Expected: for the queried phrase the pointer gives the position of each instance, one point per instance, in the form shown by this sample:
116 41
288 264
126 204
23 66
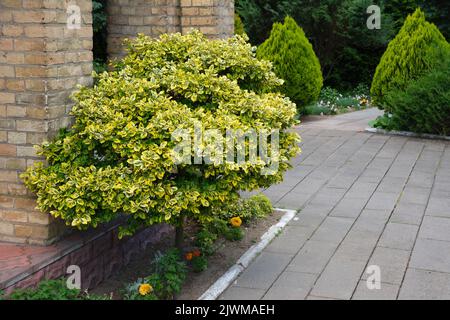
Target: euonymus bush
416 50
118 155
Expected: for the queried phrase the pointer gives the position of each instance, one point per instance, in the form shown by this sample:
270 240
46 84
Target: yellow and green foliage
118 156
294 61
416 49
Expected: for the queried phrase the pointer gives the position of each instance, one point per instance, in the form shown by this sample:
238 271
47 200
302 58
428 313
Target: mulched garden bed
196 283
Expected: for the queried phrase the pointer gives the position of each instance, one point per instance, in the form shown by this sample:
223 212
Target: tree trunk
179 234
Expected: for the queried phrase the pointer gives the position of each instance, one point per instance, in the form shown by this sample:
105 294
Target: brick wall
41 62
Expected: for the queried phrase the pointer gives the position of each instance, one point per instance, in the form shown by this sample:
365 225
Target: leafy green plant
46 290
171 272
164 283
52 290
295 61
416 49
424 107
119 156
255 207
383 122
259 206
205 240
234 234
143 289
199 263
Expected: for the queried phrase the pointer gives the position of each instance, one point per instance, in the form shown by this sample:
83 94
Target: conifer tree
294 61
415 50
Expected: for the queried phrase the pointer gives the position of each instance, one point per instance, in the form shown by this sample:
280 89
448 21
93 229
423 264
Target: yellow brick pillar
215 18
45 51
127 18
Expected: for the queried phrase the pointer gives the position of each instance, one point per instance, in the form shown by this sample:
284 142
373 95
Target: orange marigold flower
196 253
145 289
189 256
236 222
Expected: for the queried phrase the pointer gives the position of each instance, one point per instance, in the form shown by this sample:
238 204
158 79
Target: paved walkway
363 200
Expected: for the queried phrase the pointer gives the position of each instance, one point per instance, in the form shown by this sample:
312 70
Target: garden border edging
408 134
218 287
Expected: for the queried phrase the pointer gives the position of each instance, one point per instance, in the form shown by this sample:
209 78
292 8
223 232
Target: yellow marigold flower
189 256
145 289
236 222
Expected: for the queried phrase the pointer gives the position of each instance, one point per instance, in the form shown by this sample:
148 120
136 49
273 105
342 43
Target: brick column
215 18
127 18
41 62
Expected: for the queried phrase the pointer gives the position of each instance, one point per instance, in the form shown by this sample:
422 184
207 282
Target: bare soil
196 283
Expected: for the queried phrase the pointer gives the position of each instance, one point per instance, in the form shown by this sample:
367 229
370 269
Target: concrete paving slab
431 255
264 270
365 199
386 292
291 286
399 236
425 285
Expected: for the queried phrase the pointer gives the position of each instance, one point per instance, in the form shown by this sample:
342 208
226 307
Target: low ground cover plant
52 290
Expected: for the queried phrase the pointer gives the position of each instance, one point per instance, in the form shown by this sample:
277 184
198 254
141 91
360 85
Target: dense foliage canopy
119 155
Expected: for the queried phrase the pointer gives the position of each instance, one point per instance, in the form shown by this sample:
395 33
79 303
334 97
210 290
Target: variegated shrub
117 157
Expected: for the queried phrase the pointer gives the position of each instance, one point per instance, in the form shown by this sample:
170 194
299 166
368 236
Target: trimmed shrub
119 156
294 61
416 49
424 107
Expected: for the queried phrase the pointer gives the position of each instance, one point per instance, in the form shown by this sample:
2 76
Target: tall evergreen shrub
413 52
294 61
424 106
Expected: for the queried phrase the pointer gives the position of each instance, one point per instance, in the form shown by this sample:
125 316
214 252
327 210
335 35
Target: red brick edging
99 254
